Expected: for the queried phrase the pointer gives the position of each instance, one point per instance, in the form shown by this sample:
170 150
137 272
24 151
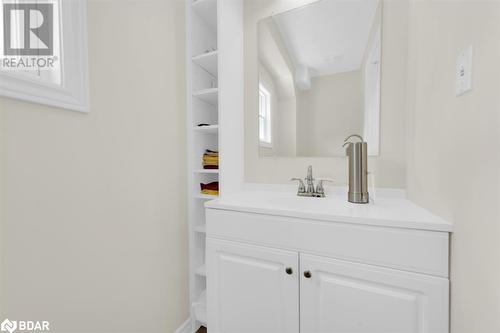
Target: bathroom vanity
281 263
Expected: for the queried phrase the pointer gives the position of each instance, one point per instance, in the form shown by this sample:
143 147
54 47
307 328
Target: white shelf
206 197
211 95
211 129
200 308
201 271
207 171
207 11
214 34
201 229
207 61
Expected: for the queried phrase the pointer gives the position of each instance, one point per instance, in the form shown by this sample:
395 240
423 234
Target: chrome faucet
310 181
310 190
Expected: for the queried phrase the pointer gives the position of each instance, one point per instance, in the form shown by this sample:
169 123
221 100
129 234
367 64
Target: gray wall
329 112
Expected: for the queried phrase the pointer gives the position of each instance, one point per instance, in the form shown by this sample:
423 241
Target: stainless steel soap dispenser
358 170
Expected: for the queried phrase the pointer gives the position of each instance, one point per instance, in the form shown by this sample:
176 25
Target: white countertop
389 211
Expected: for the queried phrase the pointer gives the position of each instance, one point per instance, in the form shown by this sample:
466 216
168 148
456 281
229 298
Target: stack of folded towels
210 188
210 159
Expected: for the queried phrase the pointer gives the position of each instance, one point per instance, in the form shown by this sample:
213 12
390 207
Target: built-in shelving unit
206 11
203 108
206 171
205 197
201 271
214 54
207 61
210 129
210 95
201 228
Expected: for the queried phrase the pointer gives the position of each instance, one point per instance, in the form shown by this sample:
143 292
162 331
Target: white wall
286 134
453 150
389 168
93 222
328 113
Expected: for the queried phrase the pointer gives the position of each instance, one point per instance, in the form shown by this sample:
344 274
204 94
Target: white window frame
266 116
72 93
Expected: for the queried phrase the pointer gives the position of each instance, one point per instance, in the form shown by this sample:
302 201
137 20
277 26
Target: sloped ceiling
328 36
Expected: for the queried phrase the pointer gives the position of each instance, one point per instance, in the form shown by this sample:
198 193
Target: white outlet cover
464 71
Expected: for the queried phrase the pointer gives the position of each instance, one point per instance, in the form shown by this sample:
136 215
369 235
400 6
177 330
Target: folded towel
210 159
210 188
209 192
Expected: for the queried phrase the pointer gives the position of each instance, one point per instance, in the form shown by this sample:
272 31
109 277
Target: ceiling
328 36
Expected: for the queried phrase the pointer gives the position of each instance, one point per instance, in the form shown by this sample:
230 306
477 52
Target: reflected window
265 136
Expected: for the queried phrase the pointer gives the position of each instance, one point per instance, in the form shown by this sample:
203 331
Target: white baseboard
185 327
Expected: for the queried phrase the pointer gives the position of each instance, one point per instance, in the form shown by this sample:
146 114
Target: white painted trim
230 36
73 93
210 24
185 327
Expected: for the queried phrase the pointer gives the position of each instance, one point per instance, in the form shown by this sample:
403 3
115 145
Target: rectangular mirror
319 78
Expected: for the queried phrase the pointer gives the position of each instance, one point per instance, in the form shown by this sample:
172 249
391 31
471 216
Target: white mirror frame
73 93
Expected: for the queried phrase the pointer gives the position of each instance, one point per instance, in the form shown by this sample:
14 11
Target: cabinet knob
289 271
307 274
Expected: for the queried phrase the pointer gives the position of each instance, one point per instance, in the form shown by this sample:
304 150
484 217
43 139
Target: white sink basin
387 211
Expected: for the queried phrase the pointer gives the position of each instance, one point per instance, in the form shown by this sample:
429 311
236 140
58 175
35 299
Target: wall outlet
464 71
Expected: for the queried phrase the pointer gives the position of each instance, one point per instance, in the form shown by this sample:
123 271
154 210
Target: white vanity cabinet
279 271
250 290
338 297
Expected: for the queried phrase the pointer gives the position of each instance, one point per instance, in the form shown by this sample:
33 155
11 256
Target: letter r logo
28 29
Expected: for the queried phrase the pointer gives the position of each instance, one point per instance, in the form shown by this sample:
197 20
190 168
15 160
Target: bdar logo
8 326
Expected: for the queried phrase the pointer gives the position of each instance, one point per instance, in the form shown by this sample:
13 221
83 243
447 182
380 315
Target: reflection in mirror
319 78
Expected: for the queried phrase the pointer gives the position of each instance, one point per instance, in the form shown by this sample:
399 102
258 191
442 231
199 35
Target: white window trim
266 144
73 93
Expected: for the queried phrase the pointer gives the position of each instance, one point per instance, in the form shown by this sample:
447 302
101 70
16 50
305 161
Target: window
265 125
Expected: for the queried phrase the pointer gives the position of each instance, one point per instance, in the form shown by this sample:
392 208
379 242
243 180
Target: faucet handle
320 190
302 187
329 180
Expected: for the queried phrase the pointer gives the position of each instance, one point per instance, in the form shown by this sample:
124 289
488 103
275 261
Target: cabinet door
251 289
340 297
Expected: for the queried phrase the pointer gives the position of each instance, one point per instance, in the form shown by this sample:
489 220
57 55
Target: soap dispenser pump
357 153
